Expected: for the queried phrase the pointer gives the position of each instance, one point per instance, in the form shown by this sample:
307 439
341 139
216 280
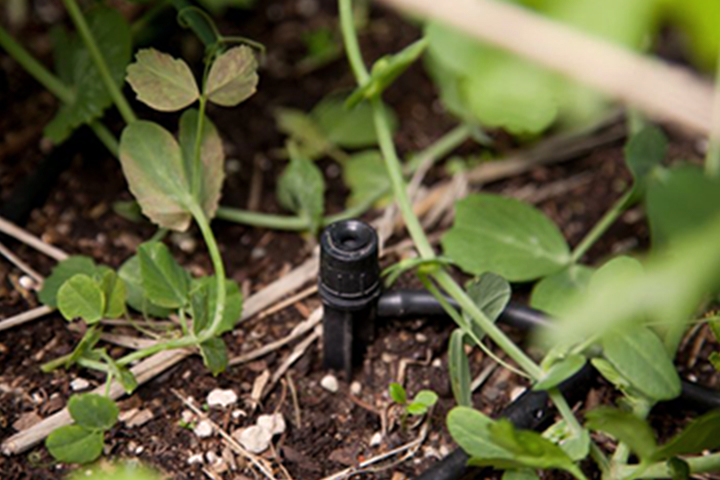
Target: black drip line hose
531 410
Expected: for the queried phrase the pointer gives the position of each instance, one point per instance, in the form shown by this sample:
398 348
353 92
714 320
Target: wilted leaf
77 69
93 411
233 77
74 444
81 296
161 81
164 281
212 160
301 189
505 236
61 273
153 166
625 427
214 355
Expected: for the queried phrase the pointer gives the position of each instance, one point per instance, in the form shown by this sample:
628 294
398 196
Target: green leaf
93 411
348 128
385 70
161 81
301 189
610 373
233 77
422 402
303 131
577 447
556 293
695 20
203 298
128 470
212 160
74 444
701 434
129 210
491 293
77 69
61 273
397 393
114 290
214 354
520 474
505 236
81 297
559 372
625 427
459 369
679 469
123 375
153 166
471 430
639 355
164 281
84 346
131 274
366 177
680 201
644 151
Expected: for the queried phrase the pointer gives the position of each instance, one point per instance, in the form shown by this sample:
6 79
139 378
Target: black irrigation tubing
531 410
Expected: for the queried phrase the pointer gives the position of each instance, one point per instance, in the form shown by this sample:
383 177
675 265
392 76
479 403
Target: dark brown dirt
335 429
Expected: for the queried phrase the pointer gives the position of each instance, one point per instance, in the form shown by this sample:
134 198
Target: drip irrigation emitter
353 300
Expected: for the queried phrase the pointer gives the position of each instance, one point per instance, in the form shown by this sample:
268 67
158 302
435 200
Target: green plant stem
93 365
197 161
54 85
712 158
350 39
641 409
84 30
703 464
440 148
601 226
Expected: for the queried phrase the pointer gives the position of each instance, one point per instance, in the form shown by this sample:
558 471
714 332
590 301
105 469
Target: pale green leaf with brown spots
161 81
233 77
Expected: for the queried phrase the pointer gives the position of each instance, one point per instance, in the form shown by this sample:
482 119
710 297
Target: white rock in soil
196 459
79 384
330 383
356 388
203 429
222 398
187 417
237 413
255 439
376 439
275 423
516 392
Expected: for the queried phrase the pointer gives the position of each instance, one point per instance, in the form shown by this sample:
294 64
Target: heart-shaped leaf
81 297
164 281
61 273
153 166
161 81
93 411
74 444
233 77
301 189
131 274
503 235
212 159
114 291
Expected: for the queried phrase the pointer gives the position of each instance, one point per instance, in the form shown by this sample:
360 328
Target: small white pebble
195 459
237 413
356 388
187 416
221 398
275 423
516 392
437 363
254 439
27 282
330 383
79 384
444 450
212 458
376 439
139 450
203 429
421 338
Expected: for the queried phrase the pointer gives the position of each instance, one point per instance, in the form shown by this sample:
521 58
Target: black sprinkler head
349 285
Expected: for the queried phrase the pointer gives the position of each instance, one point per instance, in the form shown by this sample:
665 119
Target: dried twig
19 263
661 90
25 317
31 240
260 463
297 352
